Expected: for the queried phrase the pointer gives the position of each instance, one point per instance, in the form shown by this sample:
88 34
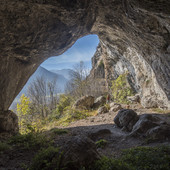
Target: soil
96 127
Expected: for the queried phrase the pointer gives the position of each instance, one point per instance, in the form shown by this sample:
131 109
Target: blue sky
82 50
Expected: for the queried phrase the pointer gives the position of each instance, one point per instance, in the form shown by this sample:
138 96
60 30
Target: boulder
85 102
8 122
114 107
161 132
102 110
134 99
79 151
126 119
144 123
99 101
150 126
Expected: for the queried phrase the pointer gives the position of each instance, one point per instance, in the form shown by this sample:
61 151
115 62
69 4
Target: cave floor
96 128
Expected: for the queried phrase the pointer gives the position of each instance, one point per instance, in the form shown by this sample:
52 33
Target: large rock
151 127
145 123
100 101
126 119
161 132
8 122
85 102
79 152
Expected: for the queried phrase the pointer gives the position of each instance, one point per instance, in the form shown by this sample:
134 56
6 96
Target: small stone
102 110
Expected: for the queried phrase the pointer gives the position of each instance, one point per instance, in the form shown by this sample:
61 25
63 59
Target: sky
82 50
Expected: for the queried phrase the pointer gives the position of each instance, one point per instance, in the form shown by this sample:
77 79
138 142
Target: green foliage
101 143
107 106
30 140
4 147
64 102
23 111
139 158
101 64
57 131
110 164
49 158
121 89
148 158
71 115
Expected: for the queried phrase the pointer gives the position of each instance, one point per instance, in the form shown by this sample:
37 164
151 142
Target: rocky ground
96 128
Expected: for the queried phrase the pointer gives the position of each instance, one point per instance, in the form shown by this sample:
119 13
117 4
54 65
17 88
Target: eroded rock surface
135 36
8 122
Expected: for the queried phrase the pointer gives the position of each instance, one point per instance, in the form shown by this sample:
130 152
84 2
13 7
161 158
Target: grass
30 140
72 115
4 147
57 131
158 110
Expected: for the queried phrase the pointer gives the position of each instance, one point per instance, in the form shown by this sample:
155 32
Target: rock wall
141 75
31 31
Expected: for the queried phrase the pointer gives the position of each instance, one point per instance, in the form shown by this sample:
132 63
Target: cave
133 32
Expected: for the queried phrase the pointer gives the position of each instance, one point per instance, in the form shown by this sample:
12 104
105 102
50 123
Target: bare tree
78 84
43 95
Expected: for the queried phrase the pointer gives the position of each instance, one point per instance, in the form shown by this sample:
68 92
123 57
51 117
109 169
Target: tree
78 84
43 95
24 113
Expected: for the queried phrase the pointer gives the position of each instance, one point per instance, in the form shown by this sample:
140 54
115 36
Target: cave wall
141 76
31 31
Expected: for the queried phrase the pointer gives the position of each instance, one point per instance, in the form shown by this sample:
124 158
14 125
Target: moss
101 143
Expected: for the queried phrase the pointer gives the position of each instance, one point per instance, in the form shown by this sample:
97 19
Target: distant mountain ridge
63 72
48 75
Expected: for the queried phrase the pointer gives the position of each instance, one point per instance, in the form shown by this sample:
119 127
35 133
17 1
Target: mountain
48 75
63 72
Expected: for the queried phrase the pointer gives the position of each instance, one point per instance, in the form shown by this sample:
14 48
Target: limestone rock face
9 122
141 77
134 34
85 102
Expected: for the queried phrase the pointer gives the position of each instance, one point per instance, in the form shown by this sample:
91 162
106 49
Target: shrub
121 89
49 158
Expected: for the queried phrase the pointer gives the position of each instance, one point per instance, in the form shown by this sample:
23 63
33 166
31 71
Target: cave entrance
59 67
